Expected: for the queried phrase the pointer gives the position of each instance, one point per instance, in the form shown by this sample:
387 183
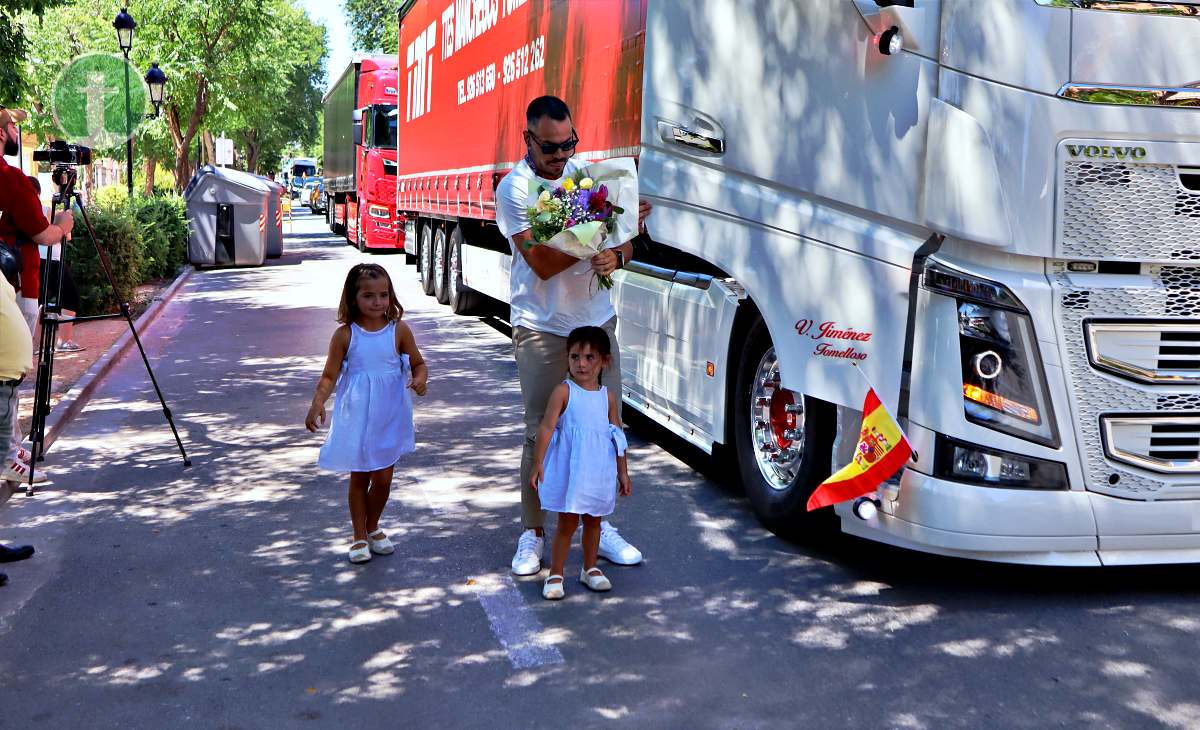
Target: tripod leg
107 268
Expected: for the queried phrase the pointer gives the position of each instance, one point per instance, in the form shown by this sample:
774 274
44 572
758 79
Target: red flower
598 198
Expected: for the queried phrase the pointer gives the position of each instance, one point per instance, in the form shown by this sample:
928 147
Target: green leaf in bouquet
544 218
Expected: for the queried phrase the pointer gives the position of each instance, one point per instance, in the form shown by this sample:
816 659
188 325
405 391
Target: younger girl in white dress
374 361
579 458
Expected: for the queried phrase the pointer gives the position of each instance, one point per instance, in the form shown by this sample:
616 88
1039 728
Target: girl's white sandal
595 580
553 591
359 552
380 545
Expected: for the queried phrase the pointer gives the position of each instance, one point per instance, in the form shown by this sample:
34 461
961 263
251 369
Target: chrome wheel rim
424 259
439 253
452 278
776 425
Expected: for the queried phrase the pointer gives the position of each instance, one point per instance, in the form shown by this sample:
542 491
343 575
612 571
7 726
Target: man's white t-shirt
563 302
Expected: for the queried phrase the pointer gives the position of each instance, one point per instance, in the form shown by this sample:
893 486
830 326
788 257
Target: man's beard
11 148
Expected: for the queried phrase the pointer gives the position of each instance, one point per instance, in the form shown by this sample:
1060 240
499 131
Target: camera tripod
51 307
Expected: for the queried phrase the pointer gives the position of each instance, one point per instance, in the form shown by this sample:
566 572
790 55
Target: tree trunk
210 147
252 150
148 167
181 137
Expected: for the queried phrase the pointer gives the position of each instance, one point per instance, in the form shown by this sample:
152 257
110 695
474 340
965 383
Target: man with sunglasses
552 293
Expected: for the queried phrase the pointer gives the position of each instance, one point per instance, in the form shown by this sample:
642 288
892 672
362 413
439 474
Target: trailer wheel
463 299
782 439
424 258
439 266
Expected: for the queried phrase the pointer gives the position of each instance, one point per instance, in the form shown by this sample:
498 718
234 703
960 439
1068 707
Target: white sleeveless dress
372 425
581 462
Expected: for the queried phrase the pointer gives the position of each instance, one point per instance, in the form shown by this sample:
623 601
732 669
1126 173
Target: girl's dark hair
348 307
37 184
594 337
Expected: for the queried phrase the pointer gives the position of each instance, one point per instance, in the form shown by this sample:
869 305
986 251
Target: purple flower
582 198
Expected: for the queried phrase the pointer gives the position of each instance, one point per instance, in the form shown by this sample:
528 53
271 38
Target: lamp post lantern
156 80
124 23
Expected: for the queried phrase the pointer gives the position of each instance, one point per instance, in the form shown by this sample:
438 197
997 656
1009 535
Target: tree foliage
251 71
14 46
373 26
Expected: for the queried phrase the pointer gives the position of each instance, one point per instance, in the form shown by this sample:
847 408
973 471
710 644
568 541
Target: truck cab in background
360 154
297 173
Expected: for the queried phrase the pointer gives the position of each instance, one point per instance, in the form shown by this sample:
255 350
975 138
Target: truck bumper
1028 526
382 235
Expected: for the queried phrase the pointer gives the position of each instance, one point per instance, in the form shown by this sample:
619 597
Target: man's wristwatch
620 258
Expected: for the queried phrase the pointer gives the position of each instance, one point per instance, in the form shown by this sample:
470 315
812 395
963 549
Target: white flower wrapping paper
584 241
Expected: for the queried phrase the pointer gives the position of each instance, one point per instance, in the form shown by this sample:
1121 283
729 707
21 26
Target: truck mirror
357 134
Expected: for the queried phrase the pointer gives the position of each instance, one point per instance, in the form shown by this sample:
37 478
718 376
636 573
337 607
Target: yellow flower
568 185
542 201
586 183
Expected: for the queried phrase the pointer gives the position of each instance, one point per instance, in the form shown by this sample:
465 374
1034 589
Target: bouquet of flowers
592 208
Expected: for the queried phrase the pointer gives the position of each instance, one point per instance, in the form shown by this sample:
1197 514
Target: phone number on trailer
525 60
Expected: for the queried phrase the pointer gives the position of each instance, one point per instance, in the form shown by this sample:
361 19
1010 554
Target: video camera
64 153
66 157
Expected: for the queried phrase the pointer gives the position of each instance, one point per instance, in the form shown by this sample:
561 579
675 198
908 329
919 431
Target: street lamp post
156 80
124 23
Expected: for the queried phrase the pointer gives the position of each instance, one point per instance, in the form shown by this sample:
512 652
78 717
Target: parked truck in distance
360 154
986 208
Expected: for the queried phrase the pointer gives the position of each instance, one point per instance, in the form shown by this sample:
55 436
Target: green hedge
145 241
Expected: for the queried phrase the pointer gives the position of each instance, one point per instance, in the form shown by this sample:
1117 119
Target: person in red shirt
21 220
20 208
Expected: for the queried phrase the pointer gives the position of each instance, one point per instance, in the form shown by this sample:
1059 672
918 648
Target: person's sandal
380 545
360 552
595 580
553 591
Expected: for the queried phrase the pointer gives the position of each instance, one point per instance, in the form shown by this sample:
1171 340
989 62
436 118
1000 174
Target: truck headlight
958 461
1003 382
378 211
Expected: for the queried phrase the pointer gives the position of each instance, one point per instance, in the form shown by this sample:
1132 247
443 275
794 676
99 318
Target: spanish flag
882 449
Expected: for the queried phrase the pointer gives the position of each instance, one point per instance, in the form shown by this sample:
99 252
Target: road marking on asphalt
513 624
442 501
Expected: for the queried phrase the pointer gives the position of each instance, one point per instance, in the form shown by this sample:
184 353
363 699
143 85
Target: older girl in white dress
374 362
579 458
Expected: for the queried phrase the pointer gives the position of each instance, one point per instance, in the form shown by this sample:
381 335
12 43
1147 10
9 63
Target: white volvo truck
992 207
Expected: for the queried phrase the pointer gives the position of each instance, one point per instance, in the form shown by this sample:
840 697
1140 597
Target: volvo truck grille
1129 210
1131 354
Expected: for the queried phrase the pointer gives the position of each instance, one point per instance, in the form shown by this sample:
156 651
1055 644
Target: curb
78 396
81 392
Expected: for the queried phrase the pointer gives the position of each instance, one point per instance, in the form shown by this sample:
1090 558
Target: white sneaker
528 558
18 472
614 549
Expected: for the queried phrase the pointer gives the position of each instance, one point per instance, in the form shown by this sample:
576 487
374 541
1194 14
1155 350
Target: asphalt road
219 596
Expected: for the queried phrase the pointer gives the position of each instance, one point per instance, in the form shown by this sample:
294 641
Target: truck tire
779 472
329 216
439 266
463 299
424 257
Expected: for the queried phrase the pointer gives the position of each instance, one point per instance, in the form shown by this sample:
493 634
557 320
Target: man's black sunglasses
549 148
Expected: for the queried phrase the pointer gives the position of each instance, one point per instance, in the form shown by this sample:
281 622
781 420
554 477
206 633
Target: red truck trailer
465 89
360 154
